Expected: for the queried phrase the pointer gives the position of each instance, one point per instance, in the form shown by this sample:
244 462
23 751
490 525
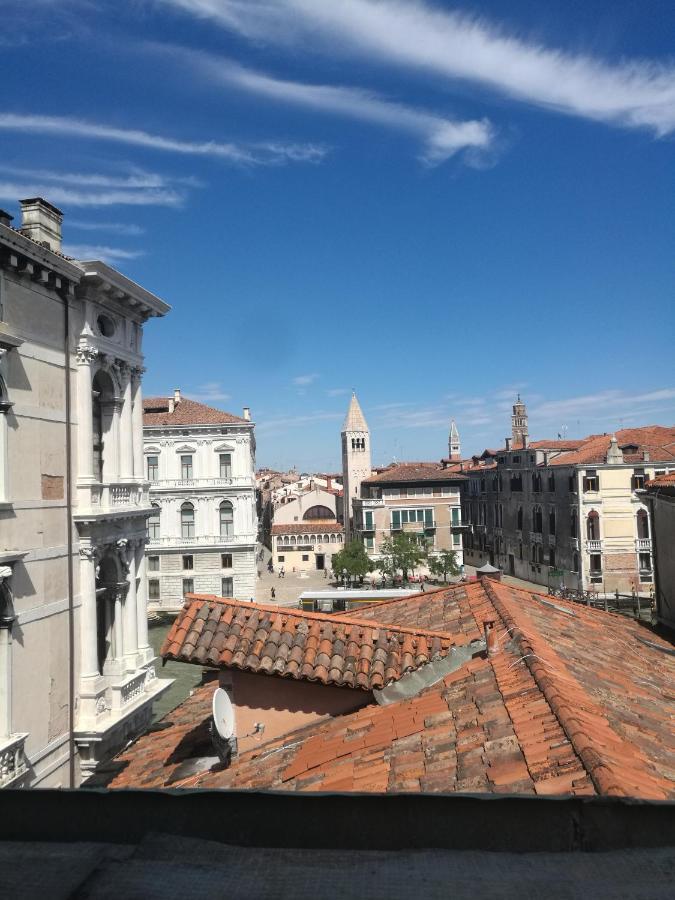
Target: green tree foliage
402 553
444 564
354 559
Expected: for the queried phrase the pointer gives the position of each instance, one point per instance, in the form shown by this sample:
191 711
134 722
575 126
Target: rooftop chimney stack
247 414
5 218
176 396
491 639
41 222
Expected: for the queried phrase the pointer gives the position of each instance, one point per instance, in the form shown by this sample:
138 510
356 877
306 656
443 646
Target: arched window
642 524
540 554
575 562
292 541
153 523
551 521
593 526
103 410
318 512
537 520
520 518
187 520
325 538
332 538
5 407
574 524
226 519
312 539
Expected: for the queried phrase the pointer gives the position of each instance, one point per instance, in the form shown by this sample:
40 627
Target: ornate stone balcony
593 546
177 484
13 762
106 497
208 540
643 545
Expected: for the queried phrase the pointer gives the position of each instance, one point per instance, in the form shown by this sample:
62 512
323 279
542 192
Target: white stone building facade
200 463
77 678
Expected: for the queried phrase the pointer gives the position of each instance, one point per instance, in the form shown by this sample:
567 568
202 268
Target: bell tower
454 446
356 461
520 438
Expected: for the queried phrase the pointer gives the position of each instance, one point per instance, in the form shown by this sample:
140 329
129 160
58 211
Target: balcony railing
370 502
209 540
593 546
170 484
106 496
643 544
13 762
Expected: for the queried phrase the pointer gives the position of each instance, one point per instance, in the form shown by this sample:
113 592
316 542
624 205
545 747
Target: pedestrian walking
273 593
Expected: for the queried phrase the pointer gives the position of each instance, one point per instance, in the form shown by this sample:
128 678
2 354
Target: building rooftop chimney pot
41 222
5 218
247 413
176 395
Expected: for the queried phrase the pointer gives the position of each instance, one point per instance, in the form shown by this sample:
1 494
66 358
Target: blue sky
437 204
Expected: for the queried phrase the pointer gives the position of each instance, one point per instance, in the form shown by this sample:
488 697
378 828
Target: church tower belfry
520 438
356 460
454 446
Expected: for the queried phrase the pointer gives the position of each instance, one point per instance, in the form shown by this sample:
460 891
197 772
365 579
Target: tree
403 552
444 564
354 559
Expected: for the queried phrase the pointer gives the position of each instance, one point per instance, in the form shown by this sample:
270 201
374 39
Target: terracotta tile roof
186 412
291 643
662 481
409 473
577 701
657 440
556 445
313 527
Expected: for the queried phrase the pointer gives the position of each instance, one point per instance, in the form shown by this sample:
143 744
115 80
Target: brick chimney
41 222
491 639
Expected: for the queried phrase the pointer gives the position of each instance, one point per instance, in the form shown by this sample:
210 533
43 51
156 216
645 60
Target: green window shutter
428 518
369 519
455 515
396 518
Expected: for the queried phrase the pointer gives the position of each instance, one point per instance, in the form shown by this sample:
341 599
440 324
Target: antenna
222 725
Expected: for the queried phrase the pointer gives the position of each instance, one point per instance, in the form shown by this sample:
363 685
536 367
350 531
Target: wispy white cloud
10 190
442 137
122 228
305 380
106 254
602 405
264 153
456 46
337 392
210 392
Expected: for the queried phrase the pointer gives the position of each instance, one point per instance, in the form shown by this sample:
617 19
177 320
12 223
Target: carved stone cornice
86 354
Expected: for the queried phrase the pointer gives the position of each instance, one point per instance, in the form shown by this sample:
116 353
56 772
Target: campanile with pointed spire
454 446
356 461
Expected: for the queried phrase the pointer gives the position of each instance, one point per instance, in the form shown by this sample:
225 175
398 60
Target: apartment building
567 512
200 464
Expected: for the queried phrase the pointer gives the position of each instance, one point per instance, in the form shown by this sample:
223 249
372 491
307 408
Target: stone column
126 428
110 410
85 420
130 622
6 622
142 596
137 423
88 629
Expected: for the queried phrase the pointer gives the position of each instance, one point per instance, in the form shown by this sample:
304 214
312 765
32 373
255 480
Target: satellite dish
223 714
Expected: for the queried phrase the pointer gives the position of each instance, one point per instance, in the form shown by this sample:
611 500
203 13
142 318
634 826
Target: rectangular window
153 589
227 586
428 518
591 480
226 559
396 519
456 515
368 520
188 562
638 480
456 539
188 586
645 562
305 558
226 465
596 563
152 463
369 542
153 563
281 558
186 468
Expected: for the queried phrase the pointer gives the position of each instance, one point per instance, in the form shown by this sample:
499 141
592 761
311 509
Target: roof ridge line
328 618
378 603
595 764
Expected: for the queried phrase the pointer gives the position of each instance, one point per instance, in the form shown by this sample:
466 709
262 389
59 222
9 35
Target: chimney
5 218
171 405
507 442
491 639
645 455
176 396
329 483
247 413
41 222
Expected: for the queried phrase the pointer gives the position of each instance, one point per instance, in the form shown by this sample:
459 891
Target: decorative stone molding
86 354
88 553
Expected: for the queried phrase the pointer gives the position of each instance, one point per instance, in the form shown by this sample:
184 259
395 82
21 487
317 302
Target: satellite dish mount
222 726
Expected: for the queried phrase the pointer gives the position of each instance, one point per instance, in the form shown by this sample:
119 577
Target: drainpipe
69 541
